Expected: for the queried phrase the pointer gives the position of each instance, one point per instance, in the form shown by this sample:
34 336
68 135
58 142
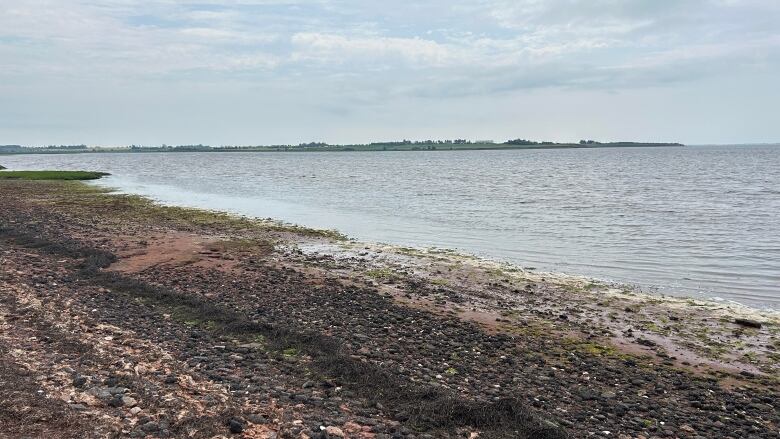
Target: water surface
695 221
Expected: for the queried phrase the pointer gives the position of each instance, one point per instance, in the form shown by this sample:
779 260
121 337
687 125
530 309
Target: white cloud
366 52
338 49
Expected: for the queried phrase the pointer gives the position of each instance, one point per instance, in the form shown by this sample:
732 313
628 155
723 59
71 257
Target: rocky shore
122 318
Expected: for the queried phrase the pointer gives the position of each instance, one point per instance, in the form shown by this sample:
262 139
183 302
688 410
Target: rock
116 401
749 323
101 394
128 401
645 342
150 427
334 431
135 411
79 381
116 390
257 419
687 428
235 426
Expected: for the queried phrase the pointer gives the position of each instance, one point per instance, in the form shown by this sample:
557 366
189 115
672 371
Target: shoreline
496 262
390 147
564 347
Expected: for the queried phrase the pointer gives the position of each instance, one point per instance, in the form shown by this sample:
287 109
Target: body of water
694 221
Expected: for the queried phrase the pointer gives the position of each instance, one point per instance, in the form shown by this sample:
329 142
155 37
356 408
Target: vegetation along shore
120 317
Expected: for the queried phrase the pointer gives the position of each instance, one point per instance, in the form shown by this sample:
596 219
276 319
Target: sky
250 72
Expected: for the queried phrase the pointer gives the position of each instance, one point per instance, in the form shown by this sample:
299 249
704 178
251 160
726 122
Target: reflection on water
696 221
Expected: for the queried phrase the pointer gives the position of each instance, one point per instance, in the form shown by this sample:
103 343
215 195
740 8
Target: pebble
235 426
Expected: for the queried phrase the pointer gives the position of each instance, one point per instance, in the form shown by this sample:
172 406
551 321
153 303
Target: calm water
700 221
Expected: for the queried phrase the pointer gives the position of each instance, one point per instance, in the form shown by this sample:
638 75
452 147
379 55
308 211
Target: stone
150 427
116 401
687 428
257 419
79 381
334 431
129 401
235 426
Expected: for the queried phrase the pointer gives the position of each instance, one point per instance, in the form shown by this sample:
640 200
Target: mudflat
123 318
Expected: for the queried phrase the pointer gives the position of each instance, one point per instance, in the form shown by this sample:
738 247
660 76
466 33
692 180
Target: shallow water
696 221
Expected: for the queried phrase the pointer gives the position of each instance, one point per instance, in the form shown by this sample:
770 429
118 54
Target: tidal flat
131 318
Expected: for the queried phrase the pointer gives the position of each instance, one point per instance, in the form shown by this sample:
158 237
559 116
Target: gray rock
235 426
150 427
129 401
79 381
257 419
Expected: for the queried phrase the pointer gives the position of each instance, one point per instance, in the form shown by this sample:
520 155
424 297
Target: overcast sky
222 72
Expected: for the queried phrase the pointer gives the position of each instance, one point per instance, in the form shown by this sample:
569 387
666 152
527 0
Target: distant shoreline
377 147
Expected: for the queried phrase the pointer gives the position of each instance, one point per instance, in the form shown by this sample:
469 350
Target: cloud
341 49
331 54
219 36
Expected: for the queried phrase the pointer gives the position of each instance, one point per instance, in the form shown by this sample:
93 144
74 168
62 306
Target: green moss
751 357
290 352
382 274
596 349
51 175
442 282
91 200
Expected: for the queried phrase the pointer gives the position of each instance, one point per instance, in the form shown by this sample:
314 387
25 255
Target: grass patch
440 282
51 175
81 199
290 352
242 245
382 274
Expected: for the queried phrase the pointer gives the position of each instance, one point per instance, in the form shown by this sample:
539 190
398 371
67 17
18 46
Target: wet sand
128 319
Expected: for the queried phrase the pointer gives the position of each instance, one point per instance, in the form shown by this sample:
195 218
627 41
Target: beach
126 317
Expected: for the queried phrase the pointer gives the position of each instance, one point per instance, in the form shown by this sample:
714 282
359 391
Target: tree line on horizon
314 145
